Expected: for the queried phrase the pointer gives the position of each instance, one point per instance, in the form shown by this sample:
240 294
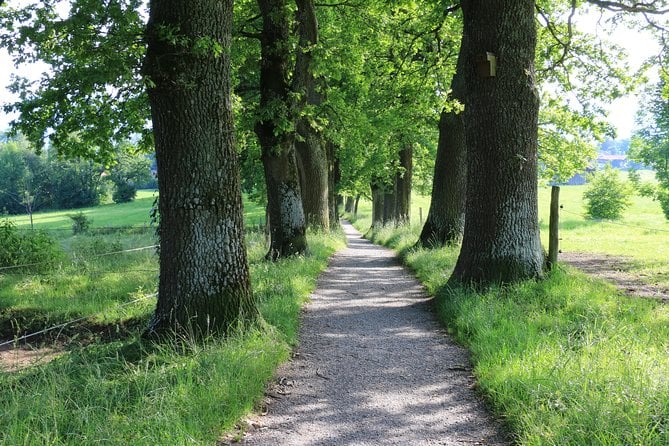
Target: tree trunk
204 280
501 237
377 204
287 223
334 176
389 209
403 186
348 204
311 151
355 206
446 218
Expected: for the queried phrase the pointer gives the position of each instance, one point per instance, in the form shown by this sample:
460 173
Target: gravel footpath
373 367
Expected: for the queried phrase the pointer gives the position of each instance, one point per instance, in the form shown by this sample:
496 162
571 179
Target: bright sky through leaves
640 46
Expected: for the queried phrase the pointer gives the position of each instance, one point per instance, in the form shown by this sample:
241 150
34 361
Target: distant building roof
607 157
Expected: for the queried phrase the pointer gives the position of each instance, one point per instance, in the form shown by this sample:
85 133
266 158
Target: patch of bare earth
15 359
374 366
45 345
616 270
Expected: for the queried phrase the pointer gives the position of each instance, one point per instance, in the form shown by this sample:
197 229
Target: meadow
568 360
641 237
108 385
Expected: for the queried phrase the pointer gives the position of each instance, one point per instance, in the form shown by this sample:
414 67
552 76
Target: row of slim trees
484 191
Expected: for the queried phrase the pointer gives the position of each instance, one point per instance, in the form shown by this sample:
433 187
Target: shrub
80 223
647 189
635 178
663 198
124 192
607 196
88 246
26 248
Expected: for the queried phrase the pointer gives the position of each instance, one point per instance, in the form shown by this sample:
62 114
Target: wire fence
89 257
73 321
94 229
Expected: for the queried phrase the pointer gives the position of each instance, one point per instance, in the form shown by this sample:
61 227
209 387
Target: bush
80 223
124 192
635 178
27 248
647 189
607 196
663 198
87 246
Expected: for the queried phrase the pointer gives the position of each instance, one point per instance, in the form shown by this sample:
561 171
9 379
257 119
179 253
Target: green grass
564 361
642 235
115 388
135 213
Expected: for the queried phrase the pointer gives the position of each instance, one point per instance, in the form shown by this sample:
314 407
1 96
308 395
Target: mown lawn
642 235
135 213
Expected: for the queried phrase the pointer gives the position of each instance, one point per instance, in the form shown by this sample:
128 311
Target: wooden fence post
553 237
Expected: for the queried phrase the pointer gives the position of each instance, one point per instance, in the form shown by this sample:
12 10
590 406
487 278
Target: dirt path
615 270
373 367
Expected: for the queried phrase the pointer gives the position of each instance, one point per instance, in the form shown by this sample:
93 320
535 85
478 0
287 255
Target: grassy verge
567 360
641 236
122 390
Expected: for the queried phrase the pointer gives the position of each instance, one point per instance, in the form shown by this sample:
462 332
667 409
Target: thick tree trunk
287 223
204 280
311 150
446 218
355 206
348 204
403 186
389 209
377 204
314 176
501 237
333 178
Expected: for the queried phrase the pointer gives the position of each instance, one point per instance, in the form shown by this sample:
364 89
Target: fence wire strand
93 256
74 321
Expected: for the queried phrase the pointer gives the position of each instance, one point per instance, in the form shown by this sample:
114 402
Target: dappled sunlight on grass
121 390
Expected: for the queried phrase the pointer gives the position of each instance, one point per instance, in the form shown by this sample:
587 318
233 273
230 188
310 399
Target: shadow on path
373 366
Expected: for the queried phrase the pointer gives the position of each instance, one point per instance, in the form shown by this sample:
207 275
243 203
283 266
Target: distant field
642 235
135 213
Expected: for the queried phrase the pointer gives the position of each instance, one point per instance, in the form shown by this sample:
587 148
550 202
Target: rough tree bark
311 151
501 237
403 180
389 205
348 204
446 218
334 176
204 280
377 203
277 142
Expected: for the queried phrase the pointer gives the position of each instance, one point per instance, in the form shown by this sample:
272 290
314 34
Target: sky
622 112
